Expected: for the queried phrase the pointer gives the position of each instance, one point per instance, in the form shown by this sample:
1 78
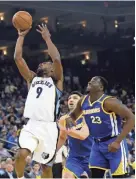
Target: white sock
21 177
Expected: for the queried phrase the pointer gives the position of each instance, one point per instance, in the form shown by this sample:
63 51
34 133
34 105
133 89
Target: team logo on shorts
45 155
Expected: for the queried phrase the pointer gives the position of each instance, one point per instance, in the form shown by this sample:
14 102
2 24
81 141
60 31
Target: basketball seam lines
24 20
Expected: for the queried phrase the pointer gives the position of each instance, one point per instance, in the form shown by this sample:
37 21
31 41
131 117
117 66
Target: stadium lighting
5 51
87 57
2 16
83 23
116 22
83 62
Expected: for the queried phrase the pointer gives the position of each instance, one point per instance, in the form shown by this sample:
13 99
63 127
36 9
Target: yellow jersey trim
67 170
102 103
81 115
114 116
94 101
98 167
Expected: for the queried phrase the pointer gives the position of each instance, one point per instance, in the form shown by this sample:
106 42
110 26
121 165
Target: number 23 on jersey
96 119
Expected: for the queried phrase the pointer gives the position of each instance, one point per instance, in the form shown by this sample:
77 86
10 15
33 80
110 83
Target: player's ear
101 87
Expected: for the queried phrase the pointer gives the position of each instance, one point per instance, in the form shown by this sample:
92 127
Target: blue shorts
77 165
101 158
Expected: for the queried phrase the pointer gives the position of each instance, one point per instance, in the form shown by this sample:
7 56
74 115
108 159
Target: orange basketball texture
22 20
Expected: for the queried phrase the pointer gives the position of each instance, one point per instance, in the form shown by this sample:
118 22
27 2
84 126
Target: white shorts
41 139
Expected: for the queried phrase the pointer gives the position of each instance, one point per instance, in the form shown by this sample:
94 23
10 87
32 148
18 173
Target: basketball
22 20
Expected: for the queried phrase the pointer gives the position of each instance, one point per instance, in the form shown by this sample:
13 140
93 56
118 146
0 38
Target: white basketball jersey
42 103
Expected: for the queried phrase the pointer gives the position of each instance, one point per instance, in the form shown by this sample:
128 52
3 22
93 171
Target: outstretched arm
52 51
20 62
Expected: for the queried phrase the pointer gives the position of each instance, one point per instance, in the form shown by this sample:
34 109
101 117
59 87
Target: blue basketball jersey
100 122
79 148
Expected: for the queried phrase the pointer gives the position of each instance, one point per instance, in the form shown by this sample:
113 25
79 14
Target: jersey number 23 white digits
96 119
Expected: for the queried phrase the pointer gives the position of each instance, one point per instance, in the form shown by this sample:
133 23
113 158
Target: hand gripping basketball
23 33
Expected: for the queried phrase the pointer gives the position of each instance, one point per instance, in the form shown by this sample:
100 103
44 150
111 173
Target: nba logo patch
45 155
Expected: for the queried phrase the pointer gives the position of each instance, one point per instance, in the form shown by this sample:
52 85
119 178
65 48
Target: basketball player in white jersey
39 137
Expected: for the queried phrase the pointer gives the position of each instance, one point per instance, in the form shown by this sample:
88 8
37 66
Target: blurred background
93 38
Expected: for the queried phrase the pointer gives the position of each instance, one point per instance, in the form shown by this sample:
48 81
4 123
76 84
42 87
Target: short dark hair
75 92
35 163
104 82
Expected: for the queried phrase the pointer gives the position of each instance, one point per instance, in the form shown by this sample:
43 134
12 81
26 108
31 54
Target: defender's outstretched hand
43 30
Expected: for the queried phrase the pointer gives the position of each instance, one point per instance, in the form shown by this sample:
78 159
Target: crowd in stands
13 92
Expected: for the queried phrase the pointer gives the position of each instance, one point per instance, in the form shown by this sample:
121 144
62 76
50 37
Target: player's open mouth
71 104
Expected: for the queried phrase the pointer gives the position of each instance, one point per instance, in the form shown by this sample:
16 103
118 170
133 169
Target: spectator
12 88
3 165
9 161
7 89
28 164
131 157
3 151
36 171
12 140
129 143
9 170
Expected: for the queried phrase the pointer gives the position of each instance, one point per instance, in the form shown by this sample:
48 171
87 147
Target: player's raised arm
52 51
20 62
114 105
